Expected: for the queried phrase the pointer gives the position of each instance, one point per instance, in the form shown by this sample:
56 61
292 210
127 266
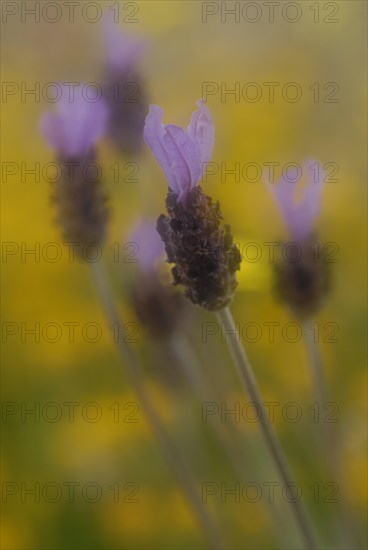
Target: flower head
196 240
159 307
72 130
303 280
75 125
123 90
122 51
299 216
182 154
149 243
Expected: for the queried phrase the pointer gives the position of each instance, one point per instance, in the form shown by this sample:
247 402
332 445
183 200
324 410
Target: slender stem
320 392
170 453
187 362
327 434
250 386
316 366
205 392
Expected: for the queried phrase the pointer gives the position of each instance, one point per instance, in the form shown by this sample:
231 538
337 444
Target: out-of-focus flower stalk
171 455
207 392
303 284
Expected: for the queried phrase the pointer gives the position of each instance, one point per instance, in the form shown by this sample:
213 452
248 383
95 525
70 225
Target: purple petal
178 152
283 193
75 125
299 217
154 132
149 243
202 130
185 160
122 51
310 204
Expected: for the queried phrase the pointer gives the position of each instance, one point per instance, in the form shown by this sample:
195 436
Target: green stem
316 366
226 438
328 437
250 386
170 453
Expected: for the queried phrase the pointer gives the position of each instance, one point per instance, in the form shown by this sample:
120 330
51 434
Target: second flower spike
72 129
302 281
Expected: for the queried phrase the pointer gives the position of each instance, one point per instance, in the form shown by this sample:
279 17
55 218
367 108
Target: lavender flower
157 305
195 240
72 130
302 279
123 87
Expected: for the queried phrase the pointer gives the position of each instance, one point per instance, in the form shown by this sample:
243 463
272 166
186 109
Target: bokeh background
183 52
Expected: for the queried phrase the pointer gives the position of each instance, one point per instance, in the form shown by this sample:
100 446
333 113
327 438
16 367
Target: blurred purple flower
150 246
123 88
299 216
75 125
122 51
182 154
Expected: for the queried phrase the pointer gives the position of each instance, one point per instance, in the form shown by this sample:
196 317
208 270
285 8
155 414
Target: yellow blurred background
190 43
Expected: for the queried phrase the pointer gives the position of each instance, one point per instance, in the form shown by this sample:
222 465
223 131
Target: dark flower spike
196 241
304 280
159 307
72 131
124 90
